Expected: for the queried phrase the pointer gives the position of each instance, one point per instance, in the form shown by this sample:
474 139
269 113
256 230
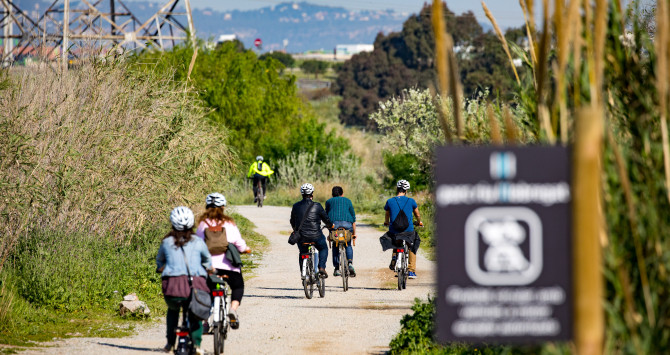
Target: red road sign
258 42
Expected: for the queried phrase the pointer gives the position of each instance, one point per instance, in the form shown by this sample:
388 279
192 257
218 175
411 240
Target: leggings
236 283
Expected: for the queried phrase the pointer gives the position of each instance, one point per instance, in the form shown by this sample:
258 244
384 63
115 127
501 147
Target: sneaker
412 275
198 351
336 272
323 273
392 264
167 348
352 272
234 321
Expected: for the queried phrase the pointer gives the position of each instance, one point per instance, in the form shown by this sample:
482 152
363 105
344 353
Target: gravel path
275 316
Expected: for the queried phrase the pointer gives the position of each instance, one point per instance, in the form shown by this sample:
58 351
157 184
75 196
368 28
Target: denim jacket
172 258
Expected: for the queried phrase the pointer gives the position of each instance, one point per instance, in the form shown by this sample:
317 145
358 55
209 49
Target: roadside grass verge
73 284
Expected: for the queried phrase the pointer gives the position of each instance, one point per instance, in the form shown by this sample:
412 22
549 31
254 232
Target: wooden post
587 266
66 30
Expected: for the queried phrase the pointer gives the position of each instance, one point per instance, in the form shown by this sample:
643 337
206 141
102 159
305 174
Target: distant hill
305 26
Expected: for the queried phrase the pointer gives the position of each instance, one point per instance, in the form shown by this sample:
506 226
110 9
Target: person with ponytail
178 247
215 216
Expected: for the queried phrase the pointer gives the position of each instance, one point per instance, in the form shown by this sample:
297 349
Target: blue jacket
199 259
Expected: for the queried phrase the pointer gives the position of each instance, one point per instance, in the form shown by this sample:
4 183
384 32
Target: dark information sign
503 244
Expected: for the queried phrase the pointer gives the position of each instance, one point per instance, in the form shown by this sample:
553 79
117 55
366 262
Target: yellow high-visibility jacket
264 170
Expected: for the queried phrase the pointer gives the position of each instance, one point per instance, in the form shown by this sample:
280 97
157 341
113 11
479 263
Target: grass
59 296
91 162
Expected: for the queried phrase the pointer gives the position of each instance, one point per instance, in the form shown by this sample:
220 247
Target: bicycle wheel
308 282
401 272
260 195
344 270
219 333
405 273
321 283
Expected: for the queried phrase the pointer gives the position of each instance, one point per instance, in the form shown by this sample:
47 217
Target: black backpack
401 222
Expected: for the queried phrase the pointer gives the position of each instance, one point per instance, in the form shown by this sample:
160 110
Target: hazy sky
507 12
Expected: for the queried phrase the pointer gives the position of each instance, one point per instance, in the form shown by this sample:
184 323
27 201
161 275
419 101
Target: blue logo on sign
502 165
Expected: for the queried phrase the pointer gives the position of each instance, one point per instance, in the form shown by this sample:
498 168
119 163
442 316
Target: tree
315 67
251 100
405 59
282 57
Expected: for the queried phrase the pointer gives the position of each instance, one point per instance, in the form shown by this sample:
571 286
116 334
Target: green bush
416 337
405 166
250 99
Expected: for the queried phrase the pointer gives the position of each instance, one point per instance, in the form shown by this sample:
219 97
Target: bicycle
342 237
311 277
402 261
185 344
220 321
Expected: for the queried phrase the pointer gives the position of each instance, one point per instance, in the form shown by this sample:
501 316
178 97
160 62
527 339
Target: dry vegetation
81 152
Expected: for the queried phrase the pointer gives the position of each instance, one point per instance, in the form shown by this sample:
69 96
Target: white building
345 51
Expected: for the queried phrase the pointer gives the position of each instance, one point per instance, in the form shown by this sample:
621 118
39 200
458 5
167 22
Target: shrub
250 99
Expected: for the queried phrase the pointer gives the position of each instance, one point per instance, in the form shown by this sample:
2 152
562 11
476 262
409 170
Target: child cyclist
178 247
215 215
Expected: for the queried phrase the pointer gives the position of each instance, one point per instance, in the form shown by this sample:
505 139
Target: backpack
216 239
400 223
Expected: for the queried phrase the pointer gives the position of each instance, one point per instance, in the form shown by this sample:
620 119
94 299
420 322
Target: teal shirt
340 209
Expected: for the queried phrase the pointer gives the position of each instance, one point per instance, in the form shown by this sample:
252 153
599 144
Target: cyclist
340 210
215 215
259 171
310 231
177 246
393 207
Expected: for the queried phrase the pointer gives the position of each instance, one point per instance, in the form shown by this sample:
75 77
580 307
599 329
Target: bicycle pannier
401 222
216 239
199 303
340 235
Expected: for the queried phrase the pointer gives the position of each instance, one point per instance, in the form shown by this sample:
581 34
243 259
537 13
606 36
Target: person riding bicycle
310 231
393 207
259 171
178 246
215 216
340 210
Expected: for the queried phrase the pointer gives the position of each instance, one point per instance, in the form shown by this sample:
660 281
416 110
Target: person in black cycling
310 231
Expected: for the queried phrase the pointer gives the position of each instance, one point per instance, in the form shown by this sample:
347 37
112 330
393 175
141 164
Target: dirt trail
275 316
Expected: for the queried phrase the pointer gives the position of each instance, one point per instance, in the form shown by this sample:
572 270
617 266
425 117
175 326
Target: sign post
503 241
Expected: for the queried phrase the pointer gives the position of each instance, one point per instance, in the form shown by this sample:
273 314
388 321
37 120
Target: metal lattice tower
90 27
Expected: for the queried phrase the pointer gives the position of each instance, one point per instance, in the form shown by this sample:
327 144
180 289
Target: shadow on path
370 307
124 347
275 297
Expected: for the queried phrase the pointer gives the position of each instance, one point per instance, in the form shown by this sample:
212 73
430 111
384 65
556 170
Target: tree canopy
282 57
313 66
250 99
405 59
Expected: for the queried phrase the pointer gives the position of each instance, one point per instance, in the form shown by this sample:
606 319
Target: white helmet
182 218
403 184
216 199
306 189
260 157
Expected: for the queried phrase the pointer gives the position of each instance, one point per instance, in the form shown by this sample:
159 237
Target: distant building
226 37
345 51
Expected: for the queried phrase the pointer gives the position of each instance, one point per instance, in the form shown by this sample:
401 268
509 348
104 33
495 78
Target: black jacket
311 229
388 240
